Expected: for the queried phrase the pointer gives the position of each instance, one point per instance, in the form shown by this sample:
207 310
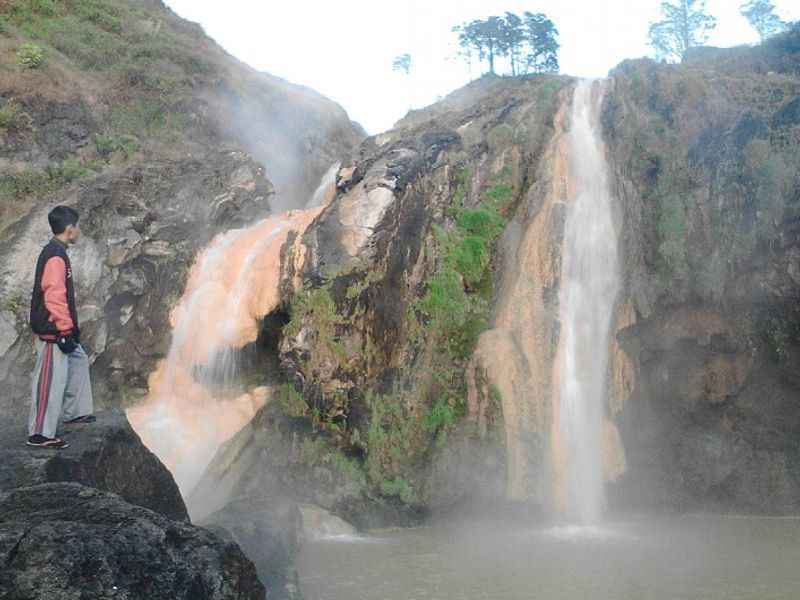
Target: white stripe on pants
61 388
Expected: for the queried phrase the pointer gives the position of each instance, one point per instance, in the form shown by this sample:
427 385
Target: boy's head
64 223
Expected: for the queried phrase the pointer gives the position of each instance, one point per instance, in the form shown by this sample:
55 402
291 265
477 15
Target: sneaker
39 441
83 419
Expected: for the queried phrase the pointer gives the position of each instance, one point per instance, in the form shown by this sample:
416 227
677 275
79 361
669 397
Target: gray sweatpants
61 389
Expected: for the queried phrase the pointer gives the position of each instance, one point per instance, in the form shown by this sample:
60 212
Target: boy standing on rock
61 386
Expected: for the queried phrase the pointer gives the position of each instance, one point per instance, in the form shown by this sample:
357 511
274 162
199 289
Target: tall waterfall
196 400
589 284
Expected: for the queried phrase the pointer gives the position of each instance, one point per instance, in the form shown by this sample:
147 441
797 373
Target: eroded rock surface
65 540
107 455
708 178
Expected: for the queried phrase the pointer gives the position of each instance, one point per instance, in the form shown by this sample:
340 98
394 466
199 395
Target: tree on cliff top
762 17
513 32
685 25
542 44
485 37
529 42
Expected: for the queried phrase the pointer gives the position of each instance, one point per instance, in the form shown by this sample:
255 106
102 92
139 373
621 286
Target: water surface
695 557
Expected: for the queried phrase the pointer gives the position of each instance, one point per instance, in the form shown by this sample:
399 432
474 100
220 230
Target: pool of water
691 558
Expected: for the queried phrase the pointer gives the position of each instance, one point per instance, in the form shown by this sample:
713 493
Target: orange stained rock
233 284
515 353
623 371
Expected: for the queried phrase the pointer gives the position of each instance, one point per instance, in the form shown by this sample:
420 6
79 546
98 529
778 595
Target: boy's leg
47 390
78 400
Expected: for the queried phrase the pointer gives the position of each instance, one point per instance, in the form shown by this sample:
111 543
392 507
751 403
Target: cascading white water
196 401
589 284
326 189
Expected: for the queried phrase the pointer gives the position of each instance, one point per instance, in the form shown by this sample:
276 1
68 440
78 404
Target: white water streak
589 284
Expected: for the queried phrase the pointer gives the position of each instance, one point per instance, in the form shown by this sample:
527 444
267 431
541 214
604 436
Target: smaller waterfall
196 399
589 284
327 188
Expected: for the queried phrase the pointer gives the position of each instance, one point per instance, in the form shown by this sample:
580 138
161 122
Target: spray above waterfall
589 285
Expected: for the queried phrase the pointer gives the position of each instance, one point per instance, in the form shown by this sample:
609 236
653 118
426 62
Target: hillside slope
161 140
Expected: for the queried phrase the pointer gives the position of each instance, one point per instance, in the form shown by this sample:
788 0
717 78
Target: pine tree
529 42
513 41
762 17
541 37
685 25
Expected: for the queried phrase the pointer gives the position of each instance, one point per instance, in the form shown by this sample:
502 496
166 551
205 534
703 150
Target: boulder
69 541
319 523
107 455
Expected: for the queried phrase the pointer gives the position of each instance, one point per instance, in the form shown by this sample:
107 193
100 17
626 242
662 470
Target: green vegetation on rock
30 56
40 182
13 118
317 306
456 304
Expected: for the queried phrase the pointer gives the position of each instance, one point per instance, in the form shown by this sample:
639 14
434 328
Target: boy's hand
67 344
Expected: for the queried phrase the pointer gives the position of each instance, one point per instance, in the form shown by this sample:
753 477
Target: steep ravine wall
701 409
375 420
408 385
708 177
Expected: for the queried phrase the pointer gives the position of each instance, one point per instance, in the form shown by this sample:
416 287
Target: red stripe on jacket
54 286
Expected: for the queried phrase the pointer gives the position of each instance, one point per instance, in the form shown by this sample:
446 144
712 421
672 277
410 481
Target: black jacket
40 316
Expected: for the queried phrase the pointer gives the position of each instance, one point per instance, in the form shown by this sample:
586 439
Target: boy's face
73 233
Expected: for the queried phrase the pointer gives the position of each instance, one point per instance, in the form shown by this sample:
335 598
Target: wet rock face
141 230
65 540
268 531
281 455
107 455
371 255
710 272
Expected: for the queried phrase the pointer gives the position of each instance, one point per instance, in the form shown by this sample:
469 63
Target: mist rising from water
589 285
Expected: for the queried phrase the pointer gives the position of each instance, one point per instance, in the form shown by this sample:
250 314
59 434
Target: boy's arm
54 286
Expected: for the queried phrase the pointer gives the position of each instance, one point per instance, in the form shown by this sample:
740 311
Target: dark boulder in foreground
107 455
68 541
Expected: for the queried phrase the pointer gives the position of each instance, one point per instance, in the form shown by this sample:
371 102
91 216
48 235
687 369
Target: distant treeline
529 43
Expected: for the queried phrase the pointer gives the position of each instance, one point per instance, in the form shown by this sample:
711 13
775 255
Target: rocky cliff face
160 140
374 418
405 387
441 248
104 518
709 186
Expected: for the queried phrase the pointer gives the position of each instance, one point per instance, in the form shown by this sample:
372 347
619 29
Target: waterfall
326 189
196 401
589 284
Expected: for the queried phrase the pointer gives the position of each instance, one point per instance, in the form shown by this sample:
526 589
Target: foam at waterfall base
586 533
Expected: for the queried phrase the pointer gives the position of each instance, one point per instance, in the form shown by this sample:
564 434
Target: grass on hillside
141 66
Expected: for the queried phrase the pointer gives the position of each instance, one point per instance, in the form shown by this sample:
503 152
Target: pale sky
344 48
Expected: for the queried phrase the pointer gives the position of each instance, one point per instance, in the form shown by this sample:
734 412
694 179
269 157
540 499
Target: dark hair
61 217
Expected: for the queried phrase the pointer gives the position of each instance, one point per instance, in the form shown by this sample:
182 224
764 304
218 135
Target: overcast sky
344 48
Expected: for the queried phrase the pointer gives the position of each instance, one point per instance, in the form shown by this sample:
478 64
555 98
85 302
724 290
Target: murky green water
697 558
